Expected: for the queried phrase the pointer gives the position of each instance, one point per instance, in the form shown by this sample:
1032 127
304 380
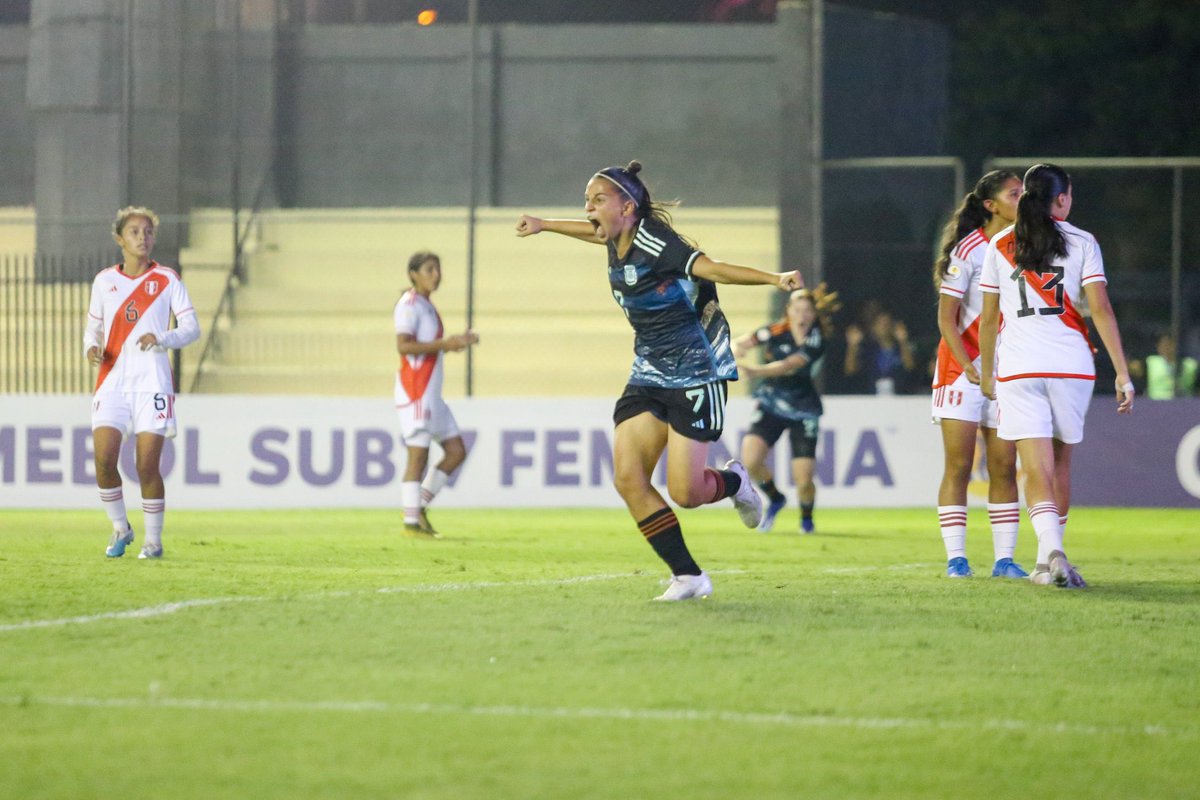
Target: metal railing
43 302
226 310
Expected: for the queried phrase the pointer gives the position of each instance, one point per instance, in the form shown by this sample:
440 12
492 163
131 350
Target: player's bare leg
1004 510
691 482
454 453
106 446
755 451
638 443
410 493
149 447
958 447
803 470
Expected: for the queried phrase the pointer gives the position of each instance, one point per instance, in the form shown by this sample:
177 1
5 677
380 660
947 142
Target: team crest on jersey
630 275
151 288
953 271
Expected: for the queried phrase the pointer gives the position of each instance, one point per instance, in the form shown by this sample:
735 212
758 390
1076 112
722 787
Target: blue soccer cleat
1007 568
958 568
119 541
807 526
768 520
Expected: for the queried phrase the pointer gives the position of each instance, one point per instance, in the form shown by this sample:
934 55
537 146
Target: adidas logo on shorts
698 423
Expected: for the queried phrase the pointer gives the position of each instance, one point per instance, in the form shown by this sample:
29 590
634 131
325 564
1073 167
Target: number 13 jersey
1043 334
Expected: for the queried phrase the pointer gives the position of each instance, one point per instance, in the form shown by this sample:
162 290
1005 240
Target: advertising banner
236 452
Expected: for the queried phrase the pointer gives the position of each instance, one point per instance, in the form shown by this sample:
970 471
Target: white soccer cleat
747 500
687 587
1064 573
151 551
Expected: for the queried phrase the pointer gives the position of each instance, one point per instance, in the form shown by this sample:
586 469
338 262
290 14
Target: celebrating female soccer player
1034 273
787 400
126 336
675 398
958 404
424 415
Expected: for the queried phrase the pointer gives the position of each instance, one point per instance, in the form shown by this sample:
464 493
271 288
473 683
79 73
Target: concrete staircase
314 315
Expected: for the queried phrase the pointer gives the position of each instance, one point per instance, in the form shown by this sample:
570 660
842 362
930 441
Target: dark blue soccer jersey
793 396
681 338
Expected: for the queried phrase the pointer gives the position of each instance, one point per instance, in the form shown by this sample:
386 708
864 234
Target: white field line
423 588
781 719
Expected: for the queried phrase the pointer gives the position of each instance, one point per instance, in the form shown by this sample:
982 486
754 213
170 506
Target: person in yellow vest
1162 380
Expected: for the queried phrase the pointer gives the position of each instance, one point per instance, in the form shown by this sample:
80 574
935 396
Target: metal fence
42 306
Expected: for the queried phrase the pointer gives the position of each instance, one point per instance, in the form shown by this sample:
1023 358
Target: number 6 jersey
1042 334
121 311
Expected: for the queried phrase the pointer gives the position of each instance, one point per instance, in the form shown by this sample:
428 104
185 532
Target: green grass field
321 654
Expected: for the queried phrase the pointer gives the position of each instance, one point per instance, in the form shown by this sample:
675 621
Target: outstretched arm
723 272
1106 325
775 369
579 229
743 345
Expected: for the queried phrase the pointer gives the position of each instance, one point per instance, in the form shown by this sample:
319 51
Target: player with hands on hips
127 336
1035 276
675 396
959 406
424 415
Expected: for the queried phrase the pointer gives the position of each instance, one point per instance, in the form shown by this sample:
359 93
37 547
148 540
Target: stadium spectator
1035 273
675 397
959 407
787 399
880 360
424 415
126 335
1166 375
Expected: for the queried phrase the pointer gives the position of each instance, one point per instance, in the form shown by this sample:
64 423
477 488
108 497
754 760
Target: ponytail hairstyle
627 180
1038 239
970 215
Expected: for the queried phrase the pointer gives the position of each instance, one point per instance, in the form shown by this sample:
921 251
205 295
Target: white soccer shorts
1044 408
135 412
426 420
964 401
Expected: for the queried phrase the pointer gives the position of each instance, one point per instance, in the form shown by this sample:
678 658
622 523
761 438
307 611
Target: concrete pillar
105 136
800 27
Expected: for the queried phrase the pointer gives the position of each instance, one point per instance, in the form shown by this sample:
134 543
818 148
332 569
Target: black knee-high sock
662 531
771 491
728 483
806 511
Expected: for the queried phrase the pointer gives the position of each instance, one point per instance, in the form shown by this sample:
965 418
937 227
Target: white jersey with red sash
961 282
419 378
121 311
1043 334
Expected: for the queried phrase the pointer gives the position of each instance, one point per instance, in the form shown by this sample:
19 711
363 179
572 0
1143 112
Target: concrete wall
377 116
16 123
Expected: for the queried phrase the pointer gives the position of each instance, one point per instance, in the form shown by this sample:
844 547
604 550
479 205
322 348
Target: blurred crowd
872 352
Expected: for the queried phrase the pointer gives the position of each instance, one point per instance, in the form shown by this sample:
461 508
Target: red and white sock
410 498
1006 521
153 511
434 482
953 520
113 501
1044 517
